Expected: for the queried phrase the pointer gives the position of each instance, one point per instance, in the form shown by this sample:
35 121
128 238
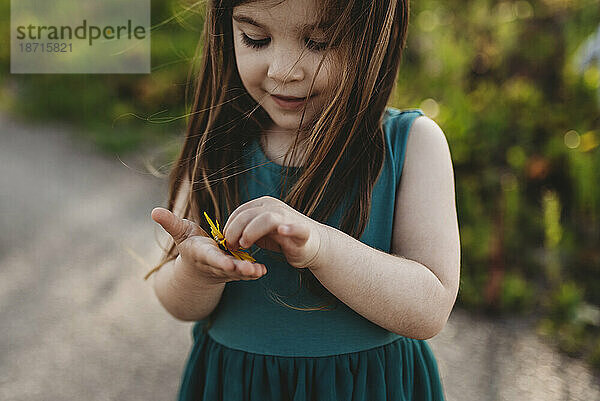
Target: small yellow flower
222 243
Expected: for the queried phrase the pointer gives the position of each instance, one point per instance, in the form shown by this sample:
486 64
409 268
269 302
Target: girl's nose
285 68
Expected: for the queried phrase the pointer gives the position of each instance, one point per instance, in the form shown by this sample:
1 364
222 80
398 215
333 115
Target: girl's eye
316 46
255 44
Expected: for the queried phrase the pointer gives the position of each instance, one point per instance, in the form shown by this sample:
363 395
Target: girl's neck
276 142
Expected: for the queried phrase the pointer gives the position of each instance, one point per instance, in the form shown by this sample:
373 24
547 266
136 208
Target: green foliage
571 323
470 292
516 293
119 113
523 125
564 302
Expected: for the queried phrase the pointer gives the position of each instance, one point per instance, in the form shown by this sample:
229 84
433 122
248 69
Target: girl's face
277 54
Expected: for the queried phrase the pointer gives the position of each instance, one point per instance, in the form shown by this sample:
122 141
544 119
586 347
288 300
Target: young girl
290 143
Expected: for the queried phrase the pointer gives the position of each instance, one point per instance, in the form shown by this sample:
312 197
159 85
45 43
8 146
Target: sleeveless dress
258 349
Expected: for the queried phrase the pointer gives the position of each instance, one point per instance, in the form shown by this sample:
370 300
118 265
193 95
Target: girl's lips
289 104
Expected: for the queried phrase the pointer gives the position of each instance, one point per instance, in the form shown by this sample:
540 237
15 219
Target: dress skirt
403 370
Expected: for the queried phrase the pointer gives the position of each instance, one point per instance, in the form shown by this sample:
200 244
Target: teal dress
259 349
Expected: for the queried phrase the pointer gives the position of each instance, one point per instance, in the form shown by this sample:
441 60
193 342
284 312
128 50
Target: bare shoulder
428 161
425 135
425 218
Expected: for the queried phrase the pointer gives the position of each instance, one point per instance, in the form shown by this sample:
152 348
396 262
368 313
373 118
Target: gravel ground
80 323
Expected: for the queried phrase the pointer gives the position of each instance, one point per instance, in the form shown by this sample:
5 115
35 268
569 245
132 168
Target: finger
243 269
250 204
246 270
217 258
296 232
238 224
195 227
260 226
223 265
177 228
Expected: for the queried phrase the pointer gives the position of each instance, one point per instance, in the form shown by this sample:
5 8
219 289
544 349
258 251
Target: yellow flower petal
220 239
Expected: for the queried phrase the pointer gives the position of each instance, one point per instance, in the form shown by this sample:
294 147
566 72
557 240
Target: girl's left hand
273 225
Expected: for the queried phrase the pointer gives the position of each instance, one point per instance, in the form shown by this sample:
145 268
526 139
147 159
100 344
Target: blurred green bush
500 77
119 113
523 123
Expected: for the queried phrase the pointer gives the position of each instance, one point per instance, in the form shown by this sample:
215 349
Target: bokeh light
505 12
428 20
430 107
572 139
523 9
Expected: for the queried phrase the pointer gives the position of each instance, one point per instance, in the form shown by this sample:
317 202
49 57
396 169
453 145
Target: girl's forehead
300 14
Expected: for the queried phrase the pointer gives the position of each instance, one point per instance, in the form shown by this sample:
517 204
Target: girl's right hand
201 254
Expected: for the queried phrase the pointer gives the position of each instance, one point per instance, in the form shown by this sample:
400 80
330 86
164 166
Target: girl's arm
184 295
191 287
411 295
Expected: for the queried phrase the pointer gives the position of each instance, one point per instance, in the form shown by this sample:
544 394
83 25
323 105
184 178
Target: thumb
180 229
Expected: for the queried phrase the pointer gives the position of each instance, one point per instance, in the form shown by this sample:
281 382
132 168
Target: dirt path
80 323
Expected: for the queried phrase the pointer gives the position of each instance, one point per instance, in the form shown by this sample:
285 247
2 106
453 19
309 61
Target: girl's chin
289 118
287 124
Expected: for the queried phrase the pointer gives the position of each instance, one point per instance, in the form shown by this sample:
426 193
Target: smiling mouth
290 105
292 98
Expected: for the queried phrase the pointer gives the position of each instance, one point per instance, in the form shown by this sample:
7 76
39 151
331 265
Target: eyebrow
302 28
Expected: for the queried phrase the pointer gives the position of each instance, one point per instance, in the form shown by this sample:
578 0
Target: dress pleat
404 370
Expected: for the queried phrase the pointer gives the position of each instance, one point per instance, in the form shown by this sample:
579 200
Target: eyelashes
316 46
255 44
258 44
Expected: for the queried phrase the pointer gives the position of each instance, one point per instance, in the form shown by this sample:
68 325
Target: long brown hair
344 143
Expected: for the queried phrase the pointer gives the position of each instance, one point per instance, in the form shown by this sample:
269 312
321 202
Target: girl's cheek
254 69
